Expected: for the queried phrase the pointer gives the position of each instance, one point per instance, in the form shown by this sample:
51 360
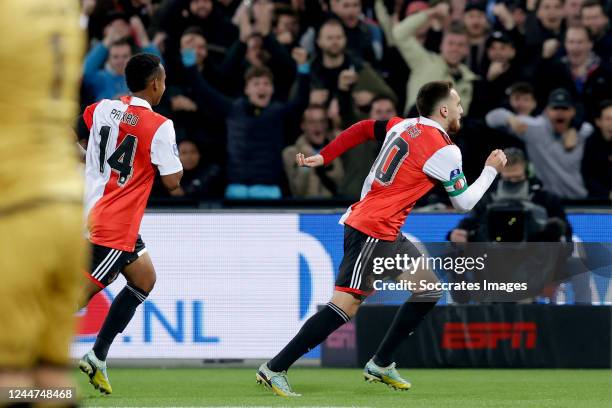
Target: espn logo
477 336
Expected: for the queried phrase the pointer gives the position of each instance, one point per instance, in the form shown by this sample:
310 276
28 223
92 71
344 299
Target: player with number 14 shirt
127 143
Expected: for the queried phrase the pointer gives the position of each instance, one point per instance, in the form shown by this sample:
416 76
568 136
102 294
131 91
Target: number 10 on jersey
390 159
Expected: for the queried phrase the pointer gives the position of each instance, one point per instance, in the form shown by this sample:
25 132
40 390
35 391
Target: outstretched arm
360 132
207 96
351 137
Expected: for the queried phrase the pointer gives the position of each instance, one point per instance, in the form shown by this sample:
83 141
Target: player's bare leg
273 374
381 367
140 276
141 273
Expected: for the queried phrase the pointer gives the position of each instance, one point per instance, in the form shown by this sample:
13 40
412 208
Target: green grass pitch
454 388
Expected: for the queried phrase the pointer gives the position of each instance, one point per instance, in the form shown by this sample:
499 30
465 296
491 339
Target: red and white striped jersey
127 140
415 154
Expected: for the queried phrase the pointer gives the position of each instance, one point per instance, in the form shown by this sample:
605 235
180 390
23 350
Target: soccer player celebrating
127 140
415 153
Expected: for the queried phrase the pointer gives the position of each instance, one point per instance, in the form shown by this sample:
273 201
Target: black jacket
255 137
555 73
597 166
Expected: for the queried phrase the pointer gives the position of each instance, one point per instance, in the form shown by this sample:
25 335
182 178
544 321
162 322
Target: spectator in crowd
255 136
595 19
227 8
308 182
514 184
352 113
429 34
544 28
581 71
510 17
286 26
191 120
199 180
382 108
477 28
257 46
486 47
333 60
363 39
358 160
522 99
104 70
597 160
518 13
571 10
429 66
97 12
554 147
393 67
502 71
175 15
104 66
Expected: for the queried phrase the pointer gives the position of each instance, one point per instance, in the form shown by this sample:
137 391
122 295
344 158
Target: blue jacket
100 81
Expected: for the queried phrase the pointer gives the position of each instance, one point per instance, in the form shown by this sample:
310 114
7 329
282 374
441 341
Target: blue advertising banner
240 285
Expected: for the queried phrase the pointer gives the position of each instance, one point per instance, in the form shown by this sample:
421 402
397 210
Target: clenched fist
300 55
497 159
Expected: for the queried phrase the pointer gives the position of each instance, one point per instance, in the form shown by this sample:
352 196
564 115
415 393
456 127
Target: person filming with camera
544 220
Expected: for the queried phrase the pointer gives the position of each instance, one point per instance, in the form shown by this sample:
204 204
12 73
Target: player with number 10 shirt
415 154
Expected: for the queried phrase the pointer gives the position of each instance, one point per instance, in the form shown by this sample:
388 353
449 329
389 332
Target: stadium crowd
250 83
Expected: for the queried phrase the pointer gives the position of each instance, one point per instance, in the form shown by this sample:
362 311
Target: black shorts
106 263
360 250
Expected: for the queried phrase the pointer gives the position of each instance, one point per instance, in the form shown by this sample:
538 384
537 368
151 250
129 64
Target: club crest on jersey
454 174
459 184
413 132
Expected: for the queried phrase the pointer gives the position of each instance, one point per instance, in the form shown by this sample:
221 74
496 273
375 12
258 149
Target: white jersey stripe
365 261
356 266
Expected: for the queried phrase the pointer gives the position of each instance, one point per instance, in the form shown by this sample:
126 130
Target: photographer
517 210
515 187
